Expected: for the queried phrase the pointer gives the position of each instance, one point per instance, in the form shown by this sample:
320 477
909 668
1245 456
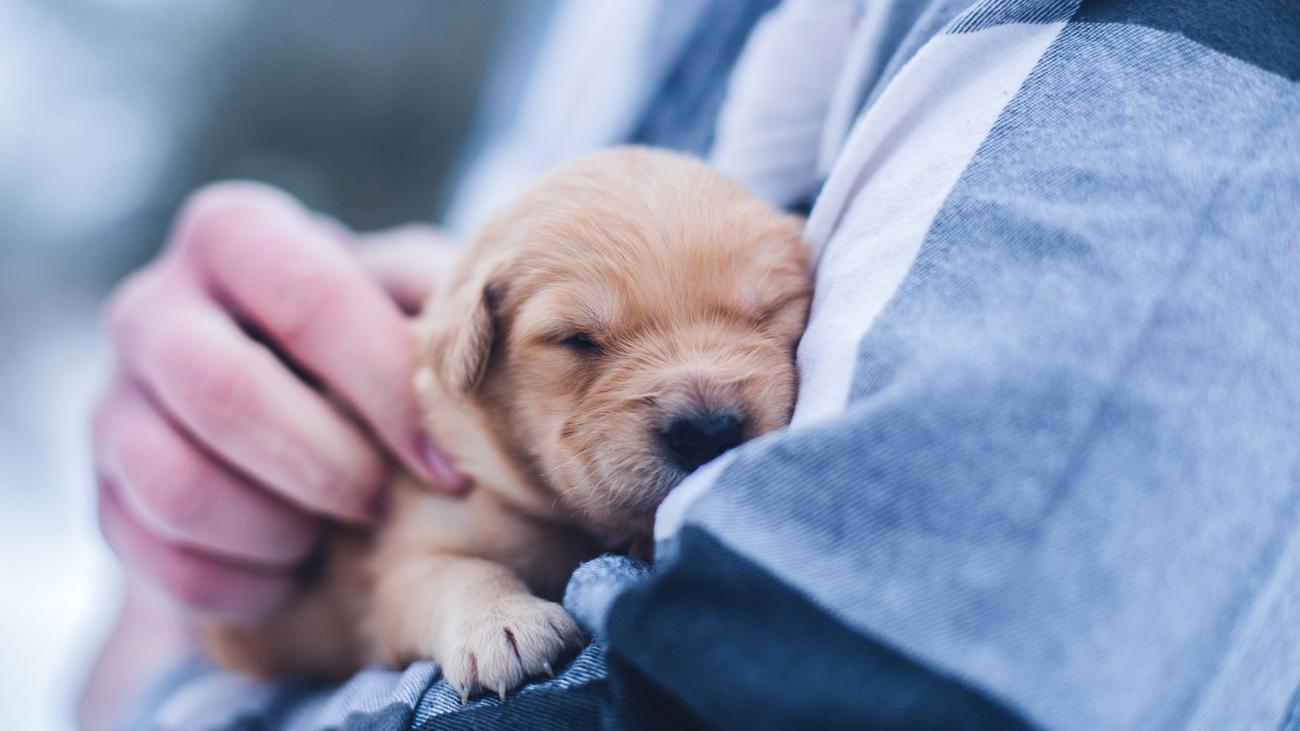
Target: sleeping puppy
630 318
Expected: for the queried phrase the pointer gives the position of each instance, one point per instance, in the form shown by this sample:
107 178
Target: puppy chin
626 502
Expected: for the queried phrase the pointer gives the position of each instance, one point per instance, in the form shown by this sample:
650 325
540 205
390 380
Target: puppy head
629 319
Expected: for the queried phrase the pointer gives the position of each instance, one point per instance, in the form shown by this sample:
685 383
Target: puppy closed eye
582 343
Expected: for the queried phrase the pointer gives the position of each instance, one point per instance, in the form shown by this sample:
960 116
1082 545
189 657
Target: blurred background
110 112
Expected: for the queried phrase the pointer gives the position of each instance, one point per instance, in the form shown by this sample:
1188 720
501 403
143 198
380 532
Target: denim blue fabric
574 698
998 12
681 115
596 584
199 696
1069 469
921 20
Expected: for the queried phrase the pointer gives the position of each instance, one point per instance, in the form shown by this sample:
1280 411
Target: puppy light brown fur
624 296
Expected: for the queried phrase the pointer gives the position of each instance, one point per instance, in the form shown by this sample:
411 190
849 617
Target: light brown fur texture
624 291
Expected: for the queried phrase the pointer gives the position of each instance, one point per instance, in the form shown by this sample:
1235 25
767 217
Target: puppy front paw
515 638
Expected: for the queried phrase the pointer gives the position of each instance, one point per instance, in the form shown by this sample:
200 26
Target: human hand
216 459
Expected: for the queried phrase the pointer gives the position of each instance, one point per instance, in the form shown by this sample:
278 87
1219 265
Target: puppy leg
315 638
475 617
319 634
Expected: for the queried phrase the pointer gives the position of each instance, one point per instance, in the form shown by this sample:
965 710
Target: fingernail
441 469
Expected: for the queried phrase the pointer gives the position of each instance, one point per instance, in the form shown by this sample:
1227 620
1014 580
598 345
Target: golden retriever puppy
625 321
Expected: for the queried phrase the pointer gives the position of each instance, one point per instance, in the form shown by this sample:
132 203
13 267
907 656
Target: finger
196 582
186 497
293 278
409 262
233 396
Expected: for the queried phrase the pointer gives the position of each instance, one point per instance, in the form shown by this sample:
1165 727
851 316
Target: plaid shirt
1045 466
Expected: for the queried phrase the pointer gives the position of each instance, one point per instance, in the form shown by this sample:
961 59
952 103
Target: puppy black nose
693 440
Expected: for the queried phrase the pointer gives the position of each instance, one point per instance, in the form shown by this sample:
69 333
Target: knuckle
169 482
216 391
195 585
179 505
302 297
126 304
215 213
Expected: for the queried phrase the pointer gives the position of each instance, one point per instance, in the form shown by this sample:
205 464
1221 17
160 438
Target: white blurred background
110 111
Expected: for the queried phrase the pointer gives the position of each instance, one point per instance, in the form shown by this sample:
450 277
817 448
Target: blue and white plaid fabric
1045 467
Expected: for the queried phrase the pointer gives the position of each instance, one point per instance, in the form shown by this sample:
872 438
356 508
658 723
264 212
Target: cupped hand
217 449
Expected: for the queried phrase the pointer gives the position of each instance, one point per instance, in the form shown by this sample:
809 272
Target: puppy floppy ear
460 327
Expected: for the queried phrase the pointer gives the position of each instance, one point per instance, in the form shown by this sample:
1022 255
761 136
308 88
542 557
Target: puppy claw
504 644
464 697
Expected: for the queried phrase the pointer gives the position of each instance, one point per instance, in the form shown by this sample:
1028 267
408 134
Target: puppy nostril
691 441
